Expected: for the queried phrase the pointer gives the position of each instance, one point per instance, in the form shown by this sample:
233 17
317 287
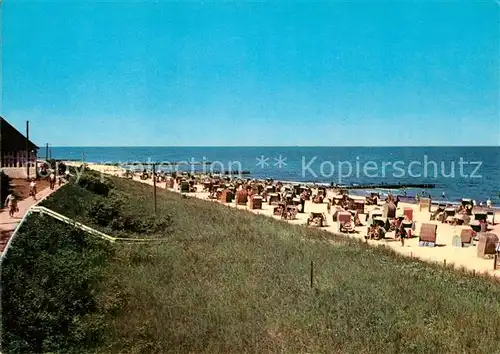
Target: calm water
471 172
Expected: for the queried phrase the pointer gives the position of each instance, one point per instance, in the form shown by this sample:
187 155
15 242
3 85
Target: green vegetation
228 281
49 281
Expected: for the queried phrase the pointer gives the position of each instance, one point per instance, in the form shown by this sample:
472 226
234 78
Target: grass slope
227 281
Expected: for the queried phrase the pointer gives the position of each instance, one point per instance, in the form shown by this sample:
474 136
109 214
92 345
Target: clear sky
163 73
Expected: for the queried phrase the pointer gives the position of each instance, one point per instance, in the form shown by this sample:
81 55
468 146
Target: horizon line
261 146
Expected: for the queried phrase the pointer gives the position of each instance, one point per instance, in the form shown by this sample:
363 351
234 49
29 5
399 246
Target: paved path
8 224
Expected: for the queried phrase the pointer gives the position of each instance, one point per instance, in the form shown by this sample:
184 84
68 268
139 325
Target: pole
312 274
47 151
154 184
28 149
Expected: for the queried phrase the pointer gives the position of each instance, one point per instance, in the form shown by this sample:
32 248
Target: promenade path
8 224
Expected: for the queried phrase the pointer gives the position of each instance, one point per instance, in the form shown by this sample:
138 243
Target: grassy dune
228 281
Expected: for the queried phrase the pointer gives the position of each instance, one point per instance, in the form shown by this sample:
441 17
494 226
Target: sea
456 172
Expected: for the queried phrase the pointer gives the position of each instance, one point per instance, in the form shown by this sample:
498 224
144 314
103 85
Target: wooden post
28 149
154 185
445 262
312 274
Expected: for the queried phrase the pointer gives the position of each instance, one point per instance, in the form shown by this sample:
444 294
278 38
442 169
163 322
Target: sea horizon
270 146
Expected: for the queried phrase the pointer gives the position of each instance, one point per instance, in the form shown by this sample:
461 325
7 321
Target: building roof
11 139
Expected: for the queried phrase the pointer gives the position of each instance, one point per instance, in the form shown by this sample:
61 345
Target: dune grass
228 281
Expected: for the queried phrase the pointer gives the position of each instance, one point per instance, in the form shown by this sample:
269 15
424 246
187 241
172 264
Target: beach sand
445 252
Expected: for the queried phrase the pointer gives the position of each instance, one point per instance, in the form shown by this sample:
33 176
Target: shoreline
108 168
443 253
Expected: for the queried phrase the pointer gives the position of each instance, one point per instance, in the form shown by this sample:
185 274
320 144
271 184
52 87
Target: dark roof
11 139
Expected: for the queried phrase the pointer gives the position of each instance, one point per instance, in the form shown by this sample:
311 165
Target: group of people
11 202
378 231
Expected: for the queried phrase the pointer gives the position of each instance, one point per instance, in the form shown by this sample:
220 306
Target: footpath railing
89 230
35 208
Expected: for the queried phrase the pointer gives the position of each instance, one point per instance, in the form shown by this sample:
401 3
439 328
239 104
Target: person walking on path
11 203
33 189
52 180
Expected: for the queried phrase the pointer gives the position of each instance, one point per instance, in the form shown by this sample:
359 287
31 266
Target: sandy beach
444 252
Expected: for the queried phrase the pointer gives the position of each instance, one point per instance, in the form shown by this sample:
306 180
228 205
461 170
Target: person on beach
11 203
401 232
303 197
52 180
443 195
33 189
488 203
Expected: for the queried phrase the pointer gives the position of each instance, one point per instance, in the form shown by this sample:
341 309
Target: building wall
18 172
17 159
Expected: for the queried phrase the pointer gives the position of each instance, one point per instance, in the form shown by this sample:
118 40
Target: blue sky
186 73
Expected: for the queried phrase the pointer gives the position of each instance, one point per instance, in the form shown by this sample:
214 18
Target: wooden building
14 147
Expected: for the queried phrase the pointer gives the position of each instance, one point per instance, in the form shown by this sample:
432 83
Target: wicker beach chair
256 202
184 187
241 197
344 220
427 236
425 204
490 217
346 227
465 238
290 212
487 244
274 198
449 214
279 210
360 206
408 213
316 220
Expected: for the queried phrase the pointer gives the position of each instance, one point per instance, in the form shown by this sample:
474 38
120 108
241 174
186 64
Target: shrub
104 211
95 184
112 212
48 281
